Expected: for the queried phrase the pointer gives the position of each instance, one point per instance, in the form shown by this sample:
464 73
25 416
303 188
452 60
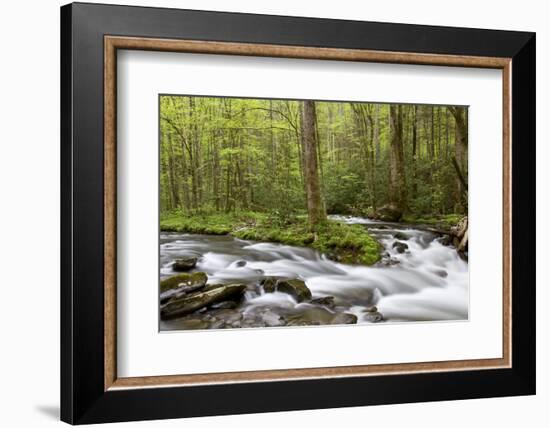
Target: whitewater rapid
428 281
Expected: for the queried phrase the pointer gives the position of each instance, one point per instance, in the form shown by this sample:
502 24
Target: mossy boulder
388 213
188 304
195 280
345 243
295 287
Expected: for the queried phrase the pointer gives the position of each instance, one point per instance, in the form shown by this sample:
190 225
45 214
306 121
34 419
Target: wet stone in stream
400 247
401 236
327 301
318 316
278 285
373 317
184 264
224 305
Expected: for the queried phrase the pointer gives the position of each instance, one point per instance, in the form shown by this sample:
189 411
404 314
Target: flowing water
428 281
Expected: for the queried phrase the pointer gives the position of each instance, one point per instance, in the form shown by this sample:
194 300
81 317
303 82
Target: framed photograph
266 213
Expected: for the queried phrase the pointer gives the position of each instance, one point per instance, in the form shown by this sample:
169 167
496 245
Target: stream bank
419 277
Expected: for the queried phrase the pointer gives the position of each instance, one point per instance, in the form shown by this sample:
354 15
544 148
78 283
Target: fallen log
188 304
464 242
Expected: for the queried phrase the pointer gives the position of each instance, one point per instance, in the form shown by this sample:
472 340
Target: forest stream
419 278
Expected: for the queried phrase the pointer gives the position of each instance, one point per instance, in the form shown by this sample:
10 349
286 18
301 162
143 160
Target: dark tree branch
460 175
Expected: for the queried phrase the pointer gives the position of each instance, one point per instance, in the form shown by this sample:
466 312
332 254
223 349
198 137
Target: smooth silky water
427 282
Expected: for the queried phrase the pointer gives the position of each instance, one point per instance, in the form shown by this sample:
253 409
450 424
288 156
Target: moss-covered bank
350 244
444 222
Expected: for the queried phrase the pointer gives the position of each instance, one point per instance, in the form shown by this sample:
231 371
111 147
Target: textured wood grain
507 213
109 177
308 373
226 48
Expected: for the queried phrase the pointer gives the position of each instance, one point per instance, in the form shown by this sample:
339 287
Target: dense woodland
288 157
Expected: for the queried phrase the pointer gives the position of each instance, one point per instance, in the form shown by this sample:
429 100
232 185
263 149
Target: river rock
440 272
401 236
187 304
193 324
400 247
269 284
216 323
311 316
373 316
229 316
318 316
388 212
170 294
388 260
213 286
334 257
344 318
228 304
176 293
271 319
184 264
446 240
327 301
193 281
295 287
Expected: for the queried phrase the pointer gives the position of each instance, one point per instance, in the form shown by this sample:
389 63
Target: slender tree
398 184
461 147
314 201
294 157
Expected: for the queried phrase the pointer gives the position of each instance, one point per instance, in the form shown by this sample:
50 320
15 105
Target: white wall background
29 214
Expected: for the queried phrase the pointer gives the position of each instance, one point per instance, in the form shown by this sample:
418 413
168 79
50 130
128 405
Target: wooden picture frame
91 390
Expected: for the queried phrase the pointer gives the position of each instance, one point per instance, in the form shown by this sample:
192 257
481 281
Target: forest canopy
335 183
288 157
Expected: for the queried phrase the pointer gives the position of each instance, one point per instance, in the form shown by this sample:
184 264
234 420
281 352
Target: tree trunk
172 178
377 131
398 184
185 175
461 148
432 137
193 161
414 143
316 213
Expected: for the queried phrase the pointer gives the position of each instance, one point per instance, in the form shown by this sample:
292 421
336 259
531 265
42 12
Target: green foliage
443 221
345 191
236 166
211 224
349 243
